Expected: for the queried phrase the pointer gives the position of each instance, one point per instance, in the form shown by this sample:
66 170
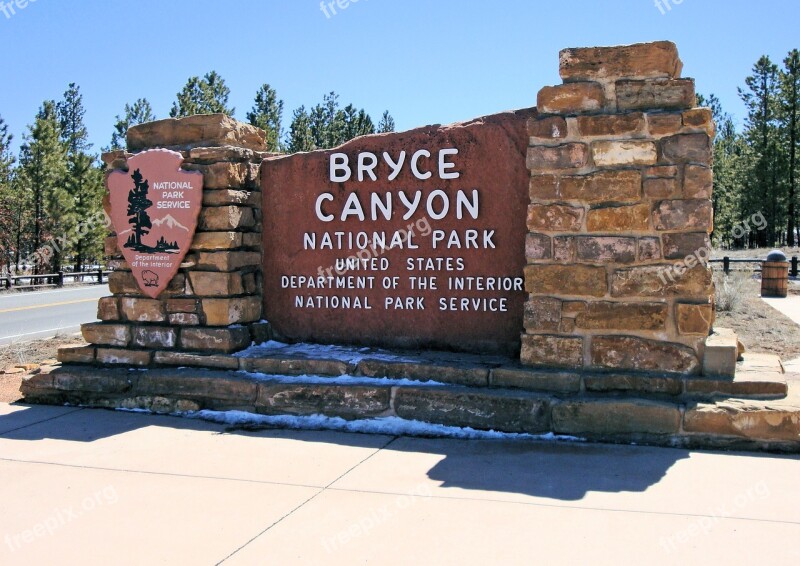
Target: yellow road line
17 309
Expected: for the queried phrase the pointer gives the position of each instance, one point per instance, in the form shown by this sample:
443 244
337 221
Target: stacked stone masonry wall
620 162
214 302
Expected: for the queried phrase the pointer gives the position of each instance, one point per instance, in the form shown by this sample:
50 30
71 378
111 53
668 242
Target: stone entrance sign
154 210
411 239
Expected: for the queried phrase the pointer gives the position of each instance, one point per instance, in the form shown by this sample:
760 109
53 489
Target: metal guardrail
726 263
51 279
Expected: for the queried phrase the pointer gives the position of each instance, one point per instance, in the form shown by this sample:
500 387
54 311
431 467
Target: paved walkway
790 307
81 486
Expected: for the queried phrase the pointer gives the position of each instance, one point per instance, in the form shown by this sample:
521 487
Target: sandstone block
533 379
552 351
555 218
761 421
648 249
632 353
92 381
76 355
661 188
311 399
615 416
543 187
542 314
212 241
216 283
461 374
184 319
114 356
666 124
227 261
110 248
226 218
108 309
142 310
687 148
700 118
585 280
224 312
610 125
692 214
698 182
296 366
694 319
565 156
655 94
661 171
633 383
489 410
721 353
641 60
549 128
661 281
106 334
603 186
202 130
196 360
623 316
621 153
538 247
572 98
633 218
224 340
237 197
681 244
606 249
564 249
155 337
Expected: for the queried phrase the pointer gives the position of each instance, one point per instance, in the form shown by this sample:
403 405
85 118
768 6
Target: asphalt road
43 314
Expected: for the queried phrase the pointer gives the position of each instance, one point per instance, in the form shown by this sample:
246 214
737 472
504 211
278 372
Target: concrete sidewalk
82 486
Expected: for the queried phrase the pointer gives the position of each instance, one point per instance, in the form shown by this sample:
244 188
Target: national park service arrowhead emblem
154 210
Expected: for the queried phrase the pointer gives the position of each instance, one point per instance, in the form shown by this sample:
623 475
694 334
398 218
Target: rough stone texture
695 214
142 310
108 309
552 351
648 249
76 355
603 186
687 148
623 316
622 153
661 281
513 412
664 124
566 156
551 128
633 218
195 131
185 359
572 98
655 93
633 383
694 319
738 418
660 187
641 60
296 366
538 246
555 217
155 337
118 356
237 310
611 125
226 218
697 182
216 284
566 280
306 399
461 375
542 314
721 353
610 417
632 353
536 380
224 340
605 249
213 241
681 244
106 334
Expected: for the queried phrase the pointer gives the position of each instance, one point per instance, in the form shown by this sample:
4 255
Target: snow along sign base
154 210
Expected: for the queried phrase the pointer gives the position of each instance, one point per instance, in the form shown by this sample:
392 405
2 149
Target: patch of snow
320 351
393 426
340 380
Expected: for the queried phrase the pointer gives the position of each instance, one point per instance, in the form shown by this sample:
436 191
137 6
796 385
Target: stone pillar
213 305
620 215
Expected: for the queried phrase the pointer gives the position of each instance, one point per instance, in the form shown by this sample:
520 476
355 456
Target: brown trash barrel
774 278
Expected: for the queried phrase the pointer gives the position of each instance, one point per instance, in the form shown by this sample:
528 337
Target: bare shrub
730 290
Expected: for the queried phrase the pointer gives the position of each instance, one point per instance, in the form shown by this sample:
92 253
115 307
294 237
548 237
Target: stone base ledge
758 376
732 423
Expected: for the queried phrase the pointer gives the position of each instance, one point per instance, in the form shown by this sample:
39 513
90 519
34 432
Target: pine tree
761 132
386 124
82 181
208 95
42 169
790 122
7 208
266 114
138 203
139 113
301 137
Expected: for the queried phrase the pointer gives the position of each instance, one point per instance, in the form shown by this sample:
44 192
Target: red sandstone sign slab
154 210
412 239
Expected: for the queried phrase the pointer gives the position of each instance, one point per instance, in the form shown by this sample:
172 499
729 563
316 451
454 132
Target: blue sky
425 61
